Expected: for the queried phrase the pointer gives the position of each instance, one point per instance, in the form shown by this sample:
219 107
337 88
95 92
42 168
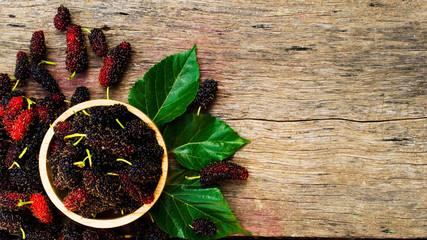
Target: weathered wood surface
331 93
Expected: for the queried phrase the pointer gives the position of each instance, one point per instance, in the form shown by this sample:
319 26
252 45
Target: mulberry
42 76
10 221
38 231
66 173
76 60
109 140
131 188
6 99
154 232
10 201
139 130
76 198
12 155
145 172
62 129
98 42
206 93
22 124
4 179
114 64
221 171
22 69
107 115
45 111
151 151
98 234
4 84
94 207
204 226
56 98
62 18
40 208
80 95
70 232
37 48
24 180
102 187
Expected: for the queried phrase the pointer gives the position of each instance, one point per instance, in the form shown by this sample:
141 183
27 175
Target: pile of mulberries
102 162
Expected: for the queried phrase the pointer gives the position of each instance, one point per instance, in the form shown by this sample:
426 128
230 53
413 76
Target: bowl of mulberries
103 163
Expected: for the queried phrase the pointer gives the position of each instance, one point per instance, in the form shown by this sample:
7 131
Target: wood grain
331 93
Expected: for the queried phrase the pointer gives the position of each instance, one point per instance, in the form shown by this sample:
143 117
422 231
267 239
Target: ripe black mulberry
37 48
80 95
98 42
42 76
114 64
62 18
221 171
4 84
206 93
22 69
204 226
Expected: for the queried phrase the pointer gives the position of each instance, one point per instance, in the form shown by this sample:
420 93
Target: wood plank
331 93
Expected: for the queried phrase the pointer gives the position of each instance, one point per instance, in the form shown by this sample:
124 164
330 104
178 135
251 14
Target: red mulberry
62 18
221 171
80 95
22 69
37 48
10 201
204 226
206 93
4 84
22 124
76 198
40 208
131 188
62 129
45 111
12 111
76 60
42 76
114 64
98 42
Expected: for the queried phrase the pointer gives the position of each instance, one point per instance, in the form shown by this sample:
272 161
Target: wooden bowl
53 193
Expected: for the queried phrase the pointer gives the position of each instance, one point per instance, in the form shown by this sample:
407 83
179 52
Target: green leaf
183 200
197 141
167 88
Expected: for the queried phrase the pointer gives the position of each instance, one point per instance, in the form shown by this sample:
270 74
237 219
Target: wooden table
331 93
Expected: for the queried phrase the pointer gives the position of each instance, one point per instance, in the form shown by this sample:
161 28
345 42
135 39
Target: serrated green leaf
167 88
183 200
197 141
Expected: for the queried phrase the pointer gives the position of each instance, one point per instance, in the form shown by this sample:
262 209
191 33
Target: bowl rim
50 190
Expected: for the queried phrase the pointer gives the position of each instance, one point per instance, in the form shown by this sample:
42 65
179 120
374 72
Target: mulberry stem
121 125
108 92
112 174
13 164
123 160
67 101
87 30
86 113
80 164
29 102
190 226
47 62
21 203
198 111
23 233
75 135
122 212
23 152
90 157
75 144
72 75
16 84
191 178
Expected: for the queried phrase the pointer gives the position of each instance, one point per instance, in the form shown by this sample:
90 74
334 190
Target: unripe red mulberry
22 124
114 64
11 200
22 69
98 42
76 198
62 129
40 208
62 18
12 111
221 171
76 60
37 48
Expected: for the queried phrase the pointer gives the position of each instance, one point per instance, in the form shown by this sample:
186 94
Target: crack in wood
325 119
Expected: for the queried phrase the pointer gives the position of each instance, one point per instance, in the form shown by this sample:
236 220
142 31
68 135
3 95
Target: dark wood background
331 93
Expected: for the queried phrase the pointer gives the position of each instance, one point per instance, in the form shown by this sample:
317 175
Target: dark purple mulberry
37 48
62 129
80 95
62 18
76 60
139 130
154 232
145 171
25 181
114 64
4 84
204 226
98 42
42 76
221 171
206 93
107 115
10 221
70 232
109 140
131 188
22 69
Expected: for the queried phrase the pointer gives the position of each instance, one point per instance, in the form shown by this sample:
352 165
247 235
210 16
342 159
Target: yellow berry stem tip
198 111
75 135
72 75
190 226
16 84
90 157
23 233
67 101
112 174
77 142
191 178
23 152
21 203
108 92
47 62
29 101
85 113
